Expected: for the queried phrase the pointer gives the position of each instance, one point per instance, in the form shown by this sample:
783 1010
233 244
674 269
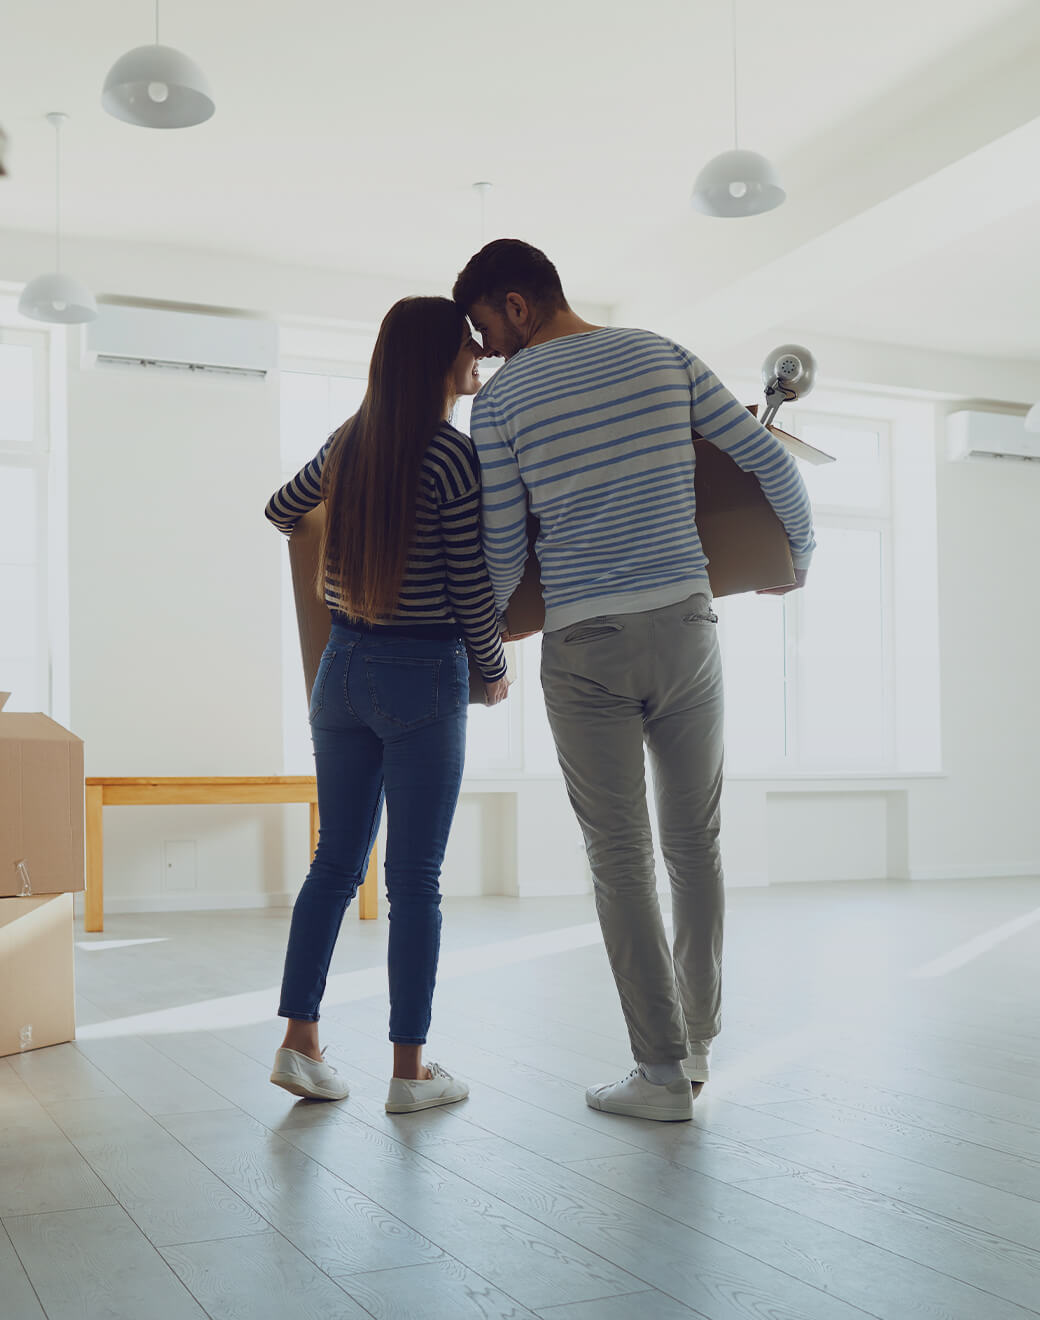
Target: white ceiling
349 135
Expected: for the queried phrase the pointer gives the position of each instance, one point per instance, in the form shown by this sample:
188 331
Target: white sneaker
697 1064
440 1088
635 1096
300 1075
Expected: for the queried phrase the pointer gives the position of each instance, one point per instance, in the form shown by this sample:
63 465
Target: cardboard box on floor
41 806
312 614
37 987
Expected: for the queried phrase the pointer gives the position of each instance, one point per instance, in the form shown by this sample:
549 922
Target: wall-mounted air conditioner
194 341
971 434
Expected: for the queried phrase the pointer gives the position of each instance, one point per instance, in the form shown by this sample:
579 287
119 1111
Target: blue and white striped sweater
596 430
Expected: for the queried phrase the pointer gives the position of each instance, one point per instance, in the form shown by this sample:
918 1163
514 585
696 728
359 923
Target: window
841 678
27 593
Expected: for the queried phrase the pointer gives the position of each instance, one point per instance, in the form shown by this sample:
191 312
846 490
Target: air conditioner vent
195 341
971 434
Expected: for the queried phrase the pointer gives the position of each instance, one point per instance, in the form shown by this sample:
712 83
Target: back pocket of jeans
403 690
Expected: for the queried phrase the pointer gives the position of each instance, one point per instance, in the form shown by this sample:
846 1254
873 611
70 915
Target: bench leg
94 909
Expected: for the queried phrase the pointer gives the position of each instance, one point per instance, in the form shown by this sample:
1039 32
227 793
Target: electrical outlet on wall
179 865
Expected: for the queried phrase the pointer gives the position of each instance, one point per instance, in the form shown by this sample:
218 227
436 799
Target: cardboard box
41 806
744 540
312 614
37 984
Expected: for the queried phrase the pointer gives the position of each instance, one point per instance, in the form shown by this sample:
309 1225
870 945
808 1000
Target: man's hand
497 691
800 574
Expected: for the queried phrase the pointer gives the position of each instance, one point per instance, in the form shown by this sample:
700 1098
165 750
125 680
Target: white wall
174 627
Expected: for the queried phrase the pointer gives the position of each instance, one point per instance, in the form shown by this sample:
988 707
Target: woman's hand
497 691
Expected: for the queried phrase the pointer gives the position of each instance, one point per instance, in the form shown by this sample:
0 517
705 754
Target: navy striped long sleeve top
596 430
446 579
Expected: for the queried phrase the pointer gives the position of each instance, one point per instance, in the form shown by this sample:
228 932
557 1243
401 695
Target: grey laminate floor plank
721 1273
1017 1106
651 1305
261 1277
40 1169
87 1264
444 1290
341 1231
932 1115
936 1150
169 1194
148 1077
514 1251
20 1300
994 1266
1000 1213
62 1072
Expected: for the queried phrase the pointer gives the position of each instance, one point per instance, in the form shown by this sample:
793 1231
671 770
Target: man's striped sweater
596 430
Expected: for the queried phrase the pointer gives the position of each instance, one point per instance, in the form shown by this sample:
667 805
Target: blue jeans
387 714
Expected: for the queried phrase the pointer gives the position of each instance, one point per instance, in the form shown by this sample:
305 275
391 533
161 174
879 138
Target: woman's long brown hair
371 476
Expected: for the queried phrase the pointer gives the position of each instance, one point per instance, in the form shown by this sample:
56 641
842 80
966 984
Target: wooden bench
199 790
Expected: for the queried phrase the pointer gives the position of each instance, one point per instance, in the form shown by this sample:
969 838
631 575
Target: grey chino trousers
612 684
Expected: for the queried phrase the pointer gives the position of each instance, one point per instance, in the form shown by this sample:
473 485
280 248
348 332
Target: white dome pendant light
57 296
157 87
737 182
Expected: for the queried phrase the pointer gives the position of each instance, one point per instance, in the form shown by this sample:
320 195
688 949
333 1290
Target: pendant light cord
157 22
733 26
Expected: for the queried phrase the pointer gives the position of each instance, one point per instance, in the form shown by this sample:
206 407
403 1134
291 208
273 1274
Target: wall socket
179 865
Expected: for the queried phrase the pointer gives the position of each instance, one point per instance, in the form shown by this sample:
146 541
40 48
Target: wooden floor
869 1145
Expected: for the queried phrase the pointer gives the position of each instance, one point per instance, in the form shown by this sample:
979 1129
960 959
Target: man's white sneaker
301 1075
697 1064
637 1097
440 1088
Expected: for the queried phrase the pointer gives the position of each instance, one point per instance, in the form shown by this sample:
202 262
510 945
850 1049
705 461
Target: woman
405 579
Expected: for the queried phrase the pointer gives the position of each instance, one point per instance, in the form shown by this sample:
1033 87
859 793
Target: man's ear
518 310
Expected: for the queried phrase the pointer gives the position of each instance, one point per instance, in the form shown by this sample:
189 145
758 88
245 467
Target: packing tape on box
25 1038
22 867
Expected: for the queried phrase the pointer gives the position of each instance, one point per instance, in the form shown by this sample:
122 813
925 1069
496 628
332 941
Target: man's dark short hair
509 265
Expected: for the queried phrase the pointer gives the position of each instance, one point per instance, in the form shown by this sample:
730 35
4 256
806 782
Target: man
594 427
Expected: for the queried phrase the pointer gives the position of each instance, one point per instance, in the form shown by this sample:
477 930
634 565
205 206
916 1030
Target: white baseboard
977 871
191 902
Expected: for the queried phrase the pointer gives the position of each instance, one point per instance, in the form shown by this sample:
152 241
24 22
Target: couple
425 542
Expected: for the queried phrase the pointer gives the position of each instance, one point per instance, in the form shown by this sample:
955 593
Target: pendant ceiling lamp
57 296
157 87
738 182
1033 418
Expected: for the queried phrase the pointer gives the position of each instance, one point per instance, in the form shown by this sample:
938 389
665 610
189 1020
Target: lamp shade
57 297
157 87
737 183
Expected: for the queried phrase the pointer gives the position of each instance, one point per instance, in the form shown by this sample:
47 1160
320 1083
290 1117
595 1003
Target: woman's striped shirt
446 579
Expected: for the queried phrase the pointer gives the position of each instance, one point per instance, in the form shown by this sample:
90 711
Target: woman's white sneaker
639 1098
440 1088
310 1078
